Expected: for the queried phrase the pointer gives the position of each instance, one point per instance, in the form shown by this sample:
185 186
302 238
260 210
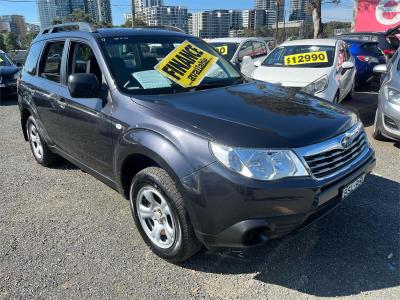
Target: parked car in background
388 43
366 56
18 56
8 76
241 51
321 67
387 117
228 162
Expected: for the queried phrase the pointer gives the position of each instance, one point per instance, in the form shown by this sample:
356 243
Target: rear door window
33 58
260 49
51 61
246 50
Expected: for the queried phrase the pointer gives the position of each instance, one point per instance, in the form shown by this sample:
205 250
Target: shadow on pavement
364 103
8 100
352 250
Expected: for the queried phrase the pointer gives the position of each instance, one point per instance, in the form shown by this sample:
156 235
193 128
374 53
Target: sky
342 12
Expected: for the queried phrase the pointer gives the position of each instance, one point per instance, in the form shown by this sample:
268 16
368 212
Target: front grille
329 162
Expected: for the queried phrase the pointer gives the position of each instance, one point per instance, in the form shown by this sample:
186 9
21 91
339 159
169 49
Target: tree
136 23
10 41
314 9
27 40
79 16
2 44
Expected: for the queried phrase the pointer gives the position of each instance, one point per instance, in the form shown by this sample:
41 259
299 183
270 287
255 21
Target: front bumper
389 110
228 210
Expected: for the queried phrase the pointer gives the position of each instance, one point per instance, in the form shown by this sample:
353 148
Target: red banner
377 15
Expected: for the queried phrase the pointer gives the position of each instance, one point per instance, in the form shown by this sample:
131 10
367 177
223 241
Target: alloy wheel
35 141
156 217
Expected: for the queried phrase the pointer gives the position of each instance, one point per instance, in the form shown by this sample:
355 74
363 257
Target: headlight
391 95
261 164
316 86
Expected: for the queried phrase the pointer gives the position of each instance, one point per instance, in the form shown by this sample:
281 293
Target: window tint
259 49
32 58
51 61
83 60
246 50
372 48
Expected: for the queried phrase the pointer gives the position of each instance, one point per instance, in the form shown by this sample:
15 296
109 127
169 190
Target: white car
321 67
241 51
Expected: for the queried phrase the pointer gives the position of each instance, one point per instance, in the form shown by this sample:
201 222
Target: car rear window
372 48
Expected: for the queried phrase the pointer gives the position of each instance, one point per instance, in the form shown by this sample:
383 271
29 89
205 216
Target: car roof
316 42
362 32
234 40
112 32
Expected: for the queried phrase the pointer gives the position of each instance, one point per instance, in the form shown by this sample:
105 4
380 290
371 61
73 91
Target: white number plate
351 187
2 85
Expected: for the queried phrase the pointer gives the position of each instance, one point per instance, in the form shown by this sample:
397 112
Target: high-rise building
299 10
253 19
50 10
235 19
140 5
16 25
92 9
176 16
270 18
104 11
271 5
211 24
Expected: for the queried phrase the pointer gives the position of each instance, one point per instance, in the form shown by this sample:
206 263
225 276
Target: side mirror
347 65
20 64
83 85
257 63
380 69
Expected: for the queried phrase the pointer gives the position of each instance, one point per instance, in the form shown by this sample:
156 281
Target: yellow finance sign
186 65
306 58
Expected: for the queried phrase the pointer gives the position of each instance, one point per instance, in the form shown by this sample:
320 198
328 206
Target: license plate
2 85
351 187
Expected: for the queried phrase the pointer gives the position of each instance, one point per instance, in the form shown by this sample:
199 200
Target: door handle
61 102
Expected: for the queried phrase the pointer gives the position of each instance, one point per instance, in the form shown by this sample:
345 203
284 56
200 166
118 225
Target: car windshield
225 49
5 61
301 56
133 60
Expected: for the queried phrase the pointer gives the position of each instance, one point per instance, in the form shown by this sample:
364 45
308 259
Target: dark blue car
366 55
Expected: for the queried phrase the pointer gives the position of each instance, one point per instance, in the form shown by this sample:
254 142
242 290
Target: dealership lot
65 234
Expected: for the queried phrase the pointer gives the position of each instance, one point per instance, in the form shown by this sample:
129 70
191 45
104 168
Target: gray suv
225 163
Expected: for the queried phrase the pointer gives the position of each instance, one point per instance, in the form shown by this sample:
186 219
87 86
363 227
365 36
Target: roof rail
165 27
82 26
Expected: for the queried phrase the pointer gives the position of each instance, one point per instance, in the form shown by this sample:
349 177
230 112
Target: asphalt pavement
64 234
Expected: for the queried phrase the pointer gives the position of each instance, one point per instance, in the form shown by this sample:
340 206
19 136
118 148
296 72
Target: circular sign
387 12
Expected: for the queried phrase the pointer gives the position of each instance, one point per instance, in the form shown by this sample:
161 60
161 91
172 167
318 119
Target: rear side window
32 58
51 61
260 49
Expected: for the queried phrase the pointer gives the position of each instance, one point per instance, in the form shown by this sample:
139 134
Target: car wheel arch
25 114
140 149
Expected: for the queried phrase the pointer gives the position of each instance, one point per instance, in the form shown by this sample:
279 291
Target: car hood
255 114
8 70
293 77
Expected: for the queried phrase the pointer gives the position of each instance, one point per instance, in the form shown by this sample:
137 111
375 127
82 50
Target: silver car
387 117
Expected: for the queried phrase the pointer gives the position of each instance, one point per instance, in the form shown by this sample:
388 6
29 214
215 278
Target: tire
156 203
39 148
376 133
350 95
